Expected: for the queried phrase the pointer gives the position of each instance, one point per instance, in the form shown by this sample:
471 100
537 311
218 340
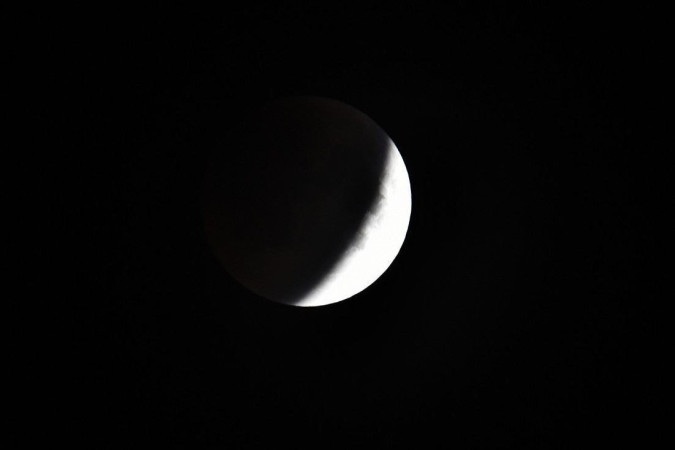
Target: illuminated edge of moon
378 241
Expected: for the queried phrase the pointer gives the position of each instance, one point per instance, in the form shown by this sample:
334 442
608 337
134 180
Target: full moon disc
311 203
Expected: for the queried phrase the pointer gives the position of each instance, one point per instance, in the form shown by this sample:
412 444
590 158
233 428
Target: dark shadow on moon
288 198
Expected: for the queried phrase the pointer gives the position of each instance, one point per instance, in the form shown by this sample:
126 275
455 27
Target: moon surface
309 202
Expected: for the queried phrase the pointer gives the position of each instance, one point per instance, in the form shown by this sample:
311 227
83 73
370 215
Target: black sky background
512 315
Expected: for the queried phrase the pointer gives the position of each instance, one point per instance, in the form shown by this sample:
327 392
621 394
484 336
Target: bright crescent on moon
377 243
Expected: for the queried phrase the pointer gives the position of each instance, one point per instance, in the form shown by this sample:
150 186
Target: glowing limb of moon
377 243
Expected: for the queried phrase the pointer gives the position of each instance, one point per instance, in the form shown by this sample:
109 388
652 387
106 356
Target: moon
308 203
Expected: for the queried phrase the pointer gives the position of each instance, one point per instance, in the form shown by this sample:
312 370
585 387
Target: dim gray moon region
308 203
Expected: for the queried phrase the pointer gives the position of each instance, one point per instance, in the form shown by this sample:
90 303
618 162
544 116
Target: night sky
510 318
